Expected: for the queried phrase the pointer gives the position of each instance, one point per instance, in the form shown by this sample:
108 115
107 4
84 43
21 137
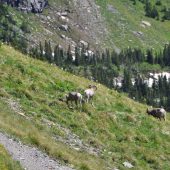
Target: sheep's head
66 96
94 87
147 111
90 86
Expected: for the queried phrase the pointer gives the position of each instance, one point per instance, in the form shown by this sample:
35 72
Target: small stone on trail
128 165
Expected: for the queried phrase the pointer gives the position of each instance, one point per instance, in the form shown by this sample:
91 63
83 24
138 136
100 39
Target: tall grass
6 162
126 18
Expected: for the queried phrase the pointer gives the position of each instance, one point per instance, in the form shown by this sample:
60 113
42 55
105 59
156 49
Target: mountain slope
124 21
116 130
103 24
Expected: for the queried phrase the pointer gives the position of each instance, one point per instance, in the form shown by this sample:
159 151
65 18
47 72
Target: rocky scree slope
29 157
35 6
95 23
73 23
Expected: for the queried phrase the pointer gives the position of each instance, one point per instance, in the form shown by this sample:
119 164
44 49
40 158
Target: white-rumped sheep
89 93
74 96
158 113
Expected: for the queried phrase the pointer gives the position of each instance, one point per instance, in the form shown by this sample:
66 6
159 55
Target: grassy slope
6 163
120 25
117 125
131 16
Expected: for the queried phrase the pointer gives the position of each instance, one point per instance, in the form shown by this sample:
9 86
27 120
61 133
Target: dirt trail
30 158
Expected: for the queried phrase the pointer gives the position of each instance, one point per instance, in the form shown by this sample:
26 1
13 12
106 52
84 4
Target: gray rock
112 9
128 164
64 27
35 6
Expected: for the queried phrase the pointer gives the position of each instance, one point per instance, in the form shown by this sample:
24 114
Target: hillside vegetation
6 163
124 23
117 128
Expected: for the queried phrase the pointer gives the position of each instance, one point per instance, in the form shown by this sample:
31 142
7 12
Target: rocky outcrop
35 6
89 19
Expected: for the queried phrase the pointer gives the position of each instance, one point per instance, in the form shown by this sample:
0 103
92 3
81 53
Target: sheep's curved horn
95 87
90 86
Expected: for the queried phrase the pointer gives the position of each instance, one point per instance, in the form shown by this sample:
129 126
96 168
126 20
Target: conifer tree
48 51
69 58
127 82
41 55
148 8
150 58
77 57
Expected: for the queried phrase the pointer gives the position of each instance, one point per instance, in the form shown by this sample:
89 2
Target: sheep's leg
164 118
71 104
92 104
76 103
80 101
68 103
87 100
92 101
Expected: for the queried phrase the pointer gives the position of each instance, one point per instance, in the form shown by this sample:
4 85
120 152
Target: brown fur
74 97
158 113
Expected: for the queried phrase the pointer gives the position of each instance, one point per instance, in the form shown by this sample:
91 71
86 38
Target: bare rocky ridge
68 24
89 19
35 6
30 158
74 23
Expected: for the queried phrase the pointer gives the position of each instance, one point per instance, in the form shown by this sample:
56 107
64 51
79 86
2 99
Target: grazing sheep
89 93
74 96
159 113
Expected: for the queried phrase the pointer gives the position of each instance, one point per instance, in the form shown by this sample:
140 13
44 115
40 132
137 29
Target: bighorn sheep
89 93
74 96
159 113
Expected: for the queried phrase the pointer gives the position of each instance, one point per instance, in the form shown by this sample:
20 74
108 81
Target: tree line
103 67
106 66
10 32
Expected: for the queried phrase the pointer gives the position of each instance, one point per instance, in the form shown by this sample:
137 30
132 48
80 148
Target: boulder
128 165
145 24
64 27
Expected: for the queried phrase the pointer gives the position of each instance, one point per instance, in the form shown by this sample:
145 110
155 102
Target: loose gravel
30 158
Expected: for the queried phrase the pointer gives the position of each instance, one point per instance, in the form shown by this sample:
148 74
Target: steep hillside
66 23
126 27
115 131
35 6
107 24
